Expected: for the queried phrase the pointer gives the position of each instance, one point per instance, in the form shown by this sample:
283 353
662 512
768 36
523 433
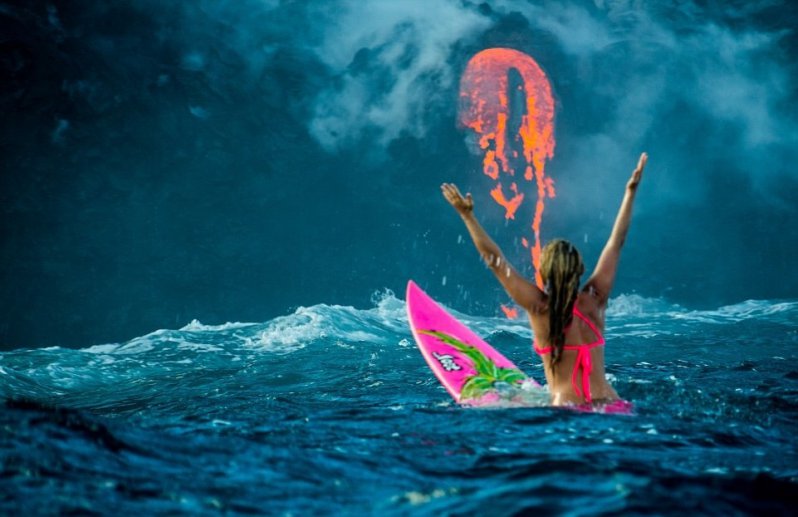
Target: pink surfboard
466 365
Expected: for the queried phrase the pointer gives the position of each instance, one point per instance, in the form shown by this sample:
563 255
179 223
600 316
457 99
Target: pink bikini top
583 360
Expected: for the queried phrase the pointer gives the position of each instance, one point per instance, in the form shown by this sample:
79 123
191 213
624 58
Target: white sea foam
636 305
292 332
197 325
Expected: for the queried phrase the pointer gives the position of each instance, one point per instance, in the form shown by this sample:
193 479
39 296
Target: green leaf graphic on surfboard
487 372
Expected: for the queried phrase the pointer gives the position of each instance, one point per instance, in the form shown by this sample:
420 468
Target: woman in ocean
568 322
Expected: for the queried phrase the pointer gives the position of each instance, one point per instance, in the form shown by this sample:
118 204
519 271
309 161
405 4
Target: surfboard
472 371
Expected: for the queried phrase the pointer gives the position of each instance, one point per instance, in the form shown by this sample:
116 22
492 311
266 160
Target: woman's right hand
463 205
637 174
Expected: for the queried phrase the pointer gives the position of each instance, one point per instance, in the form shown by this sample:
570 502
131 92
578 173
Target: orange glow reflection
512 138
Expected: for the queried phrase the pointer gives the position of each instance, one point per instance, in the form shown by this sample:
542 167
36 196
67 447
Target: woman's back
579 376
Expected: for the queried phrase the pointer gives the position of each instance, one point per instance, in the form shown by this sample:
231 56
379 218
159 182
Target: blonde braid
561 268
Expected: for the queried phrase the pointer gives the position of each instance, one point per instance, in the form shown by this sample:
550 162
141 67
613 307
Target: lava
506 100
510 312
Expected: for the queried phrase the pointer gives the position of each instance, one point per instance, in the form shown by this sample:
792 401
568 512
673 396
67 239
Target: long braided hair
560 268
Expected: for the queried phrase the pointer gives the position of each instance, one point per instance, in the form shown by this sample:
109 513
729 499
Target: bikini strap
599 337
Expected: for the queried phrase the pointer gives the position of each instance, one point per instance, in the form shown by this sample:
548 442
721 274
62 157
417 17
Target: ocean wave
351 333
776 311
636 305
633 306
382 323
336 322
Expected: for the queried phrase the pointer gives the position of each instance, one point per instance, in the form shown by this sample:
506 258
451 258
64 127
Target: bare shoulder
592 304
539 321
594 294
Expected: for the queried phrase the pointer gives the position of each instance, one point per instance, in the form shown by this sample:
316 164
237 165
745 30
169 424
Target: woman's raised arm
603 278
523 292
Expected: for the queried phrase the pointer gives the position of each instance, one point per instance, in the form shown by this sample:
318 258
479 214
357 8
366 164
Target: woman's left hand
463 205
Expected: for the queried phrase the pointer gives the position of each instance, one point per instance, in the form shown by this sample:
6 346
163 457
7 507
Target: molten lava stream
513 135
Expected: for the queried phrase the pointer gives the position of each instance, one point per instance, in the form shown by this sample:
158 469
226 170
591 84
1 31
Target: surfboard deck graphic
471 370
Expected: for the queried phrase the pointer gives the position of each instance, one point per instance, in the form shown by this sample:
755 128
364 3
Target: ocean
332 410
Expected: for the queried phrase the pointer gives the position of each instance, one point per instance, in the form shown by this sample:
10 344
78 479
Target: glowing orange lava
514 137
510 312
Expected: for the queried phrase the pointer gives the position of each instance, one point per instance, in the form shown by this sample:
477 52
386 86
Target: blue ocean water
332 410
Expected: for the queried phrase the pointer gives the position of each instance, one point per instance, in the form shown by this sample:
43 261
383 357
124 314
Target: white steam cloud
718 93
729 73
405 47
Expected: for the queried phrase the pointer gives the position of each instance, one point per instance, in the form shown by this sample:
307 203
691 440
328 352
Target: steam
733 75
393 59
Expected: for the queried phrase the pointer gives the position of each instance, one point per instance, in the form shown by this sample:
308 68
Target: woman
568 322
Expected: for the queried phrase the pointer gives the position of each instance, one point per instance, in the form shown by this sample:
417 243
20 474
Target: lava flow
505 98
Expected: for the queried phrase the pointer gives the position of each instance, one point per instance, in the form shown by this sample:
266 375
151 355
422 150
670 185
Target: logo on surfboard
447 362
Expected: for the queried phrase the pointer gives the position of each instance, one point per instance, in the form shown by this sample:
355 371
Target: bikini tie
585 363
